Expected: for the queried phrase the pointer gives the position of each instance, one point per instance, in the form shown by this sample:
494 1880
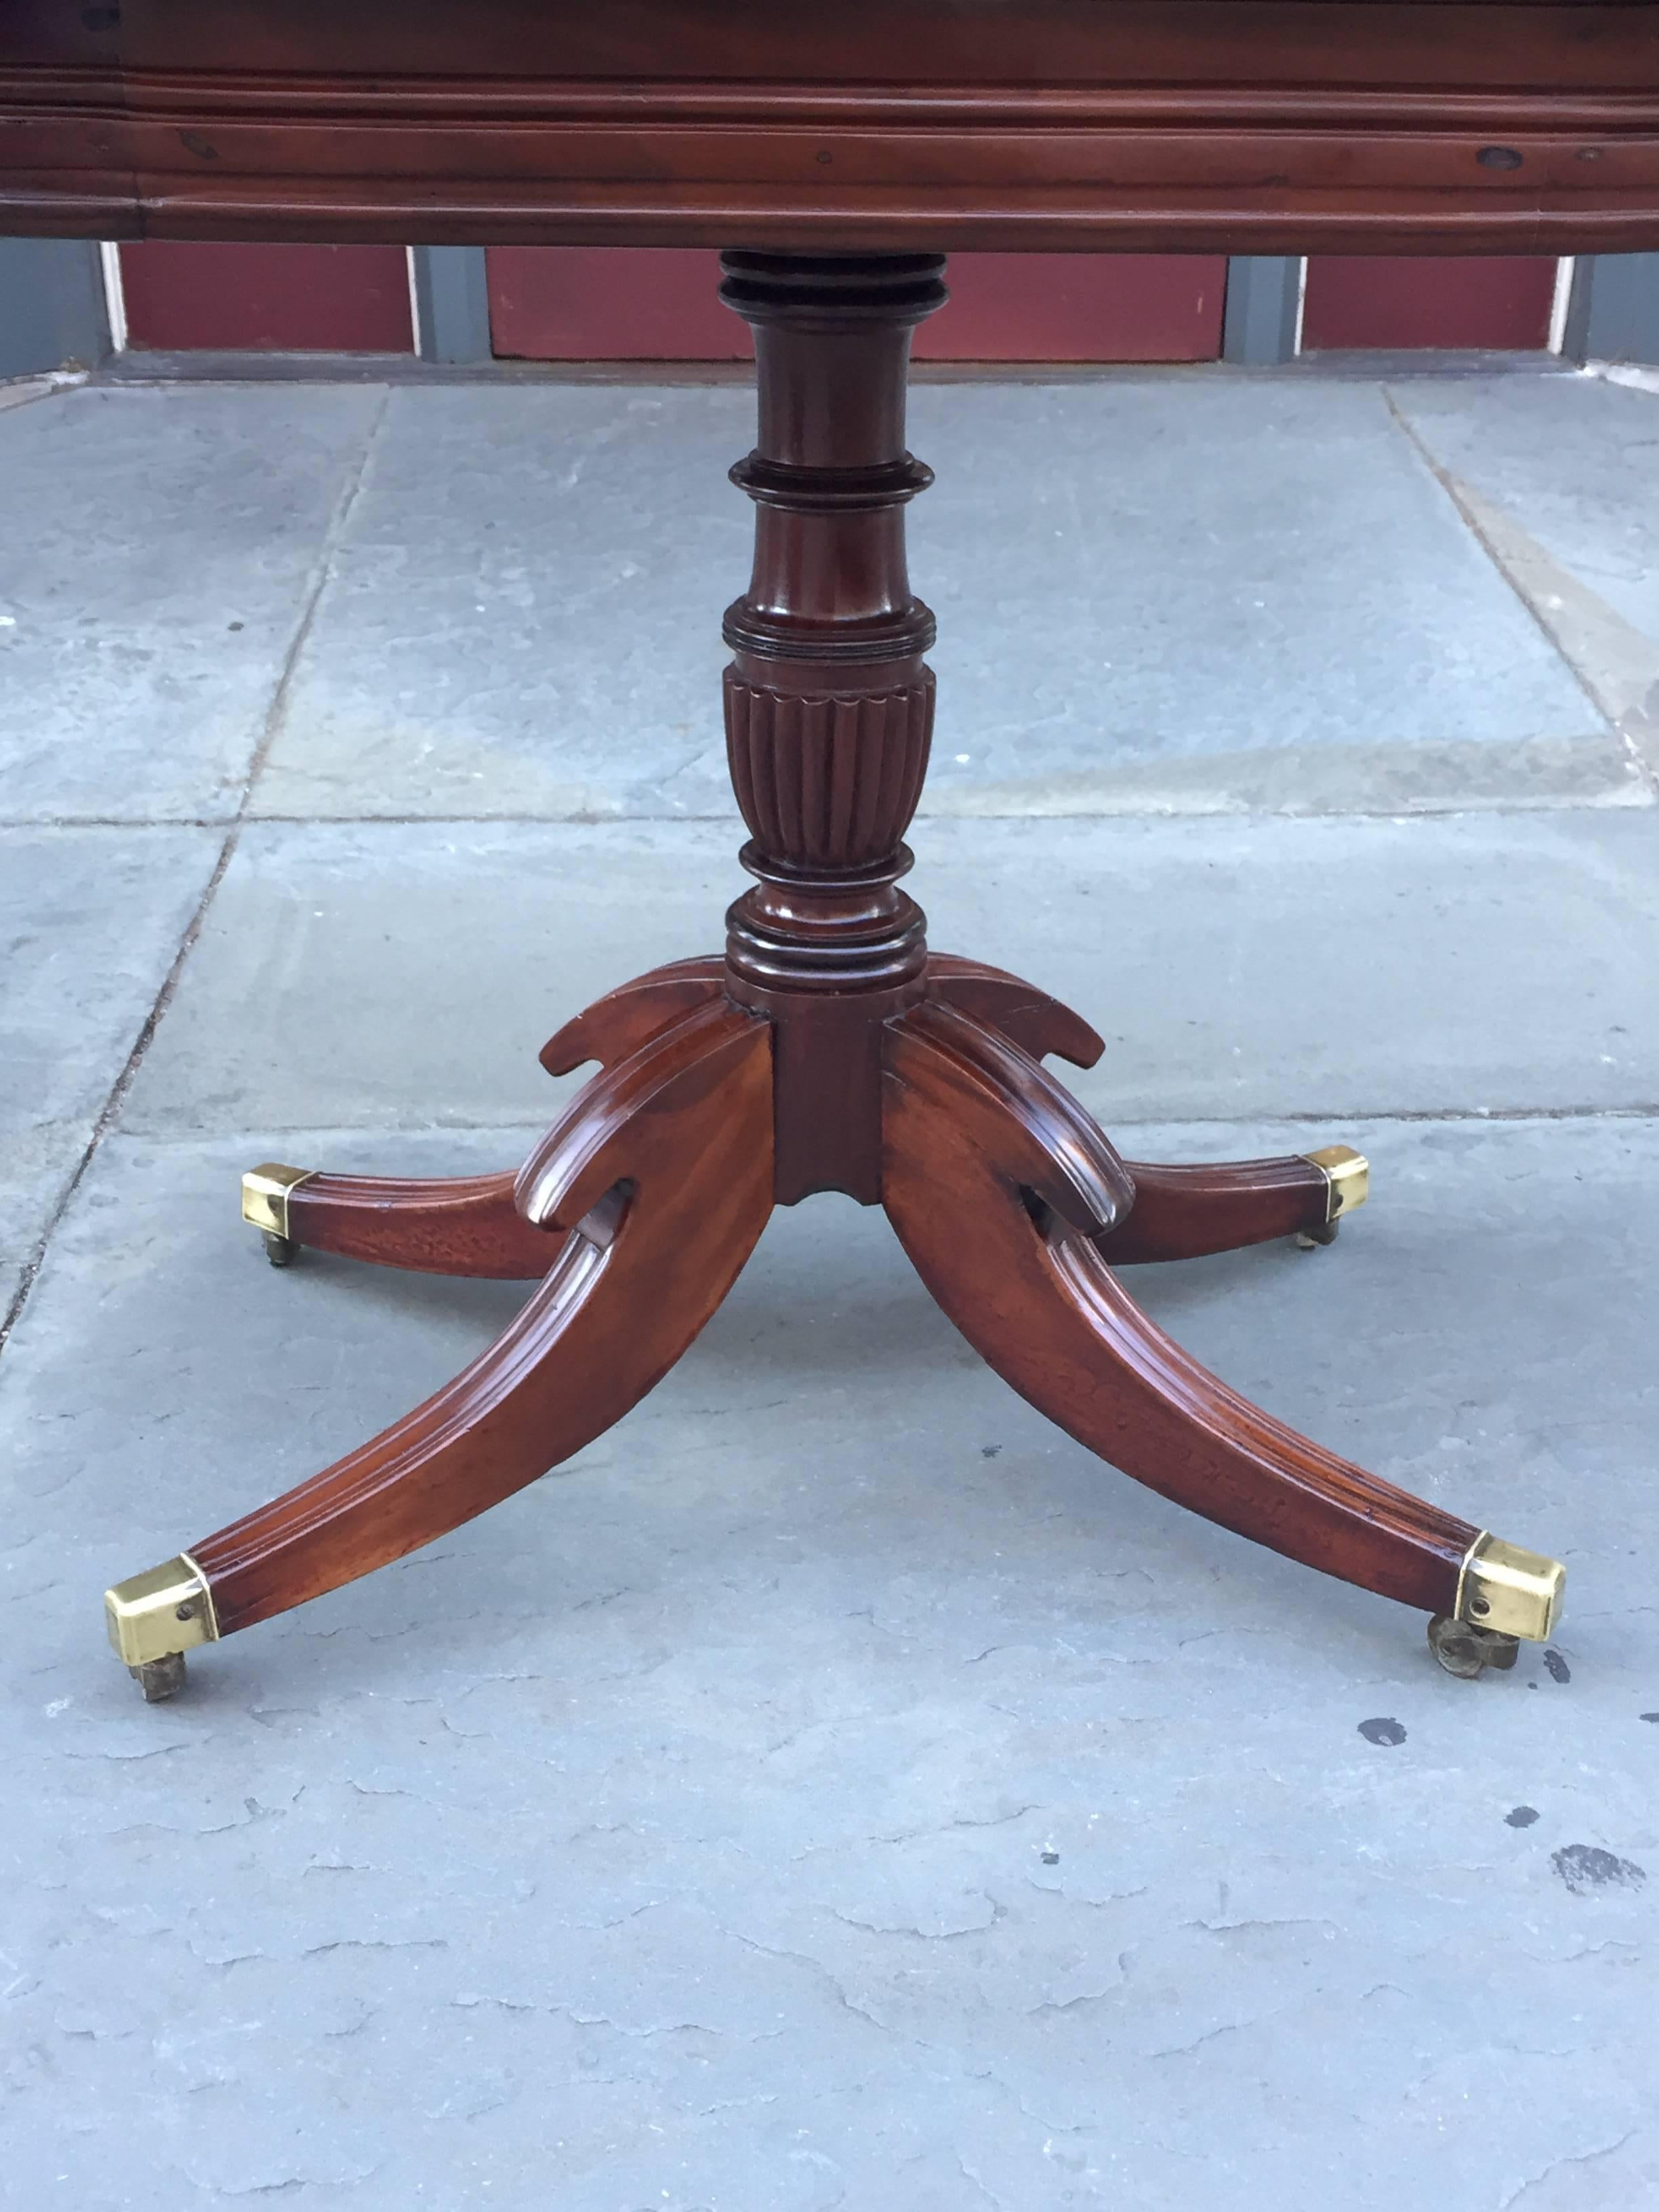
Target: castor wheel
1310 1240
264 1207
1466 1651
159 1678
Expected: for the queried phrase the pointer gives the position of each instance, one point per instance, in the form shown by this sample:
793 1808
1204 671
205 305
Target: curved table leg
463 1225
1180 1212
1037 1299
661 1172
444 1225
1183 1212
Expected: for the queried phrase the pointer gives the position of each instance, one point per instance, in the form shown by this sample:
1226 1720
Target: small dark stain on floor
989 1451
1522 1816
1585 1866
1051 1858
1558 1669
1650 1716
1382 1731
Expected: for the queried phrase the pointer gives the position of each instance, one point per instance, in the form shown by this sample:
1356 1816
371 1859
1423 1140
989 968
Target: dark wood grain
1184 1212
470 1224
616 1025
1038 1024
1038 1302
673 1166
438 1225
828 701
1166 125
1058 1154
573 1165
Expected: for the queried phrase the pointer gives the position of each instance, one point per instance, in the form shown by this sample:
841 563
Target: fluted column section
829 704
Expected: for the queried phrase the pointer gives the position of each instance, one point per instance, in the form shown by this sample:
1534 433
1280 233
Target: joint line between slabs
1647 773
321 575
1120 1129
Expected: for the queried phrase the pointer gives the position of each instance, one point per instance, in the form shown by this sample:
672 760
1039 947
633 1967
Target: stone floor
835 1787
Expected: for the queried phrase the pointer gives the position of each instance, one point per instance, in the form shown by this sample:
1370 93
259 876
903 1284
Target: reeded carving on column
828 780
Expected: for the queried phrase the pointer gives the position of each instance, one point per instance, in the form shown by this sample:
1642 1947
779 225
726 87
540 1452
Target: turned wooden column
829 703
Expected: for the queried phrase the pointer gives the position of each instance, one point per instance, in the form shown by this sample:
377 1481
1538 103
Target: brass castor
265 1206
1503 1594
154 1619
1466 1651
1347 1185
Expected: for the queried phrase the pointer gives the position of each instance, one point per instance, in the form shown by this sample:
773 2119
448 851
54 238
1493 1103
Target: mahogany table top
1244 125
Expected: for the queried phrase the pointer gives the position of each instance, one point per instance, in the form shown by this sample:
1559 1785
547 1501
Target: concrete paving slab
1561 477
1574 459
1238 595
1484 963
836 1786
90 920
160 549
1168 594
37 1165
525 613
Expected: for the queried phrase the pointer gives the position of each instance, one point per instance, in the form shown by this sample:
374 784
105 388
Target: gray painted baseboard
1613 313
451 303
52 312
1263 306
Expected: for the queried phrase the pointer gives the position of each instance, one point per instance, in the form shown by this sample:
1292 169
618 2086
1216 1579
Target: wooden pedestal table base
827 1049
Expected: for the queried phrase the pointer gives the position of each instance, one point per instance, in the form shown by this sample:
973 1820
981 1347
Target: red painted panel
657 303
1397 300
1078 306
611 303
267 299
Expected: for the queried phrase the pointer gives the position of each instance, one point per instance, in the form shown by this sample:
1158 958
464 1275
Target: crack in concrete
110 1113
1569 2158
1615 664
912 1835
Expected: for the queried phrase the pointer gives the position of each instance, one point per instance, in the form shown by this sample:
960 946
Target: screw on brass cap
152 1616
265 1195
1514 1592
1347 1178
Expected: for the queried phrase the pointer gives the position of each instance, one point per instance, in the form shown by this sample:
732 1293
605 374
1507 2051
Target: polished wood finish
1037 1301
448 1225
828 701
1169 126
664 1166
1183 1212
616 1026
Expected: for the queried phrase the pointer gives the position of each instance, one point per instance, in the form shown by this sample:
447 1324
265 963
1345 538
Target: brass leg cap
1514 1592
154 1619
1467 1651
265 1198
1348 1184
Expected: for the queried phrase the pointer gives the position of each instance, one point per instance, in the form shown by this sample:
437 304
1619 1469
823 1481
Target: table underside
1166 125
